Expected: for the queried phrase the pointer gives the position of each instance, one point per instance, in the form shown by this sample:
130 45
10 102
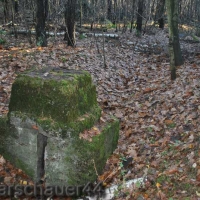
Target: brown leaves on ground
160 126
88 134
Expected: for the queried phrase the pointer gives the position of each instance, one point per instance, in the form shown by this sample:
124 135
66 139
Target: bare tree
133 13
70 11
41 15
174 45
5 10
109 11
160 11
139 15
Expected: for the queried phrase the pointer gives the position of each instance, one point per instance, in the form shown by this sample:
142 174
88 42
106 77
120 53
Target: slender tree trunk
121 13
139 16
5 10
198 10
81 13
152 8
160 13
174 45
13 19
109 12
115 12
133 14
70 22
41 15
16 6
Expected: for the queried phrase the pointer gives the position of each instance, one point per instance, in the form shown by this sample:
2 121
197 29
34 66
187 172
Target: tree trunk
115 12
5 10
16 6
109 12
174 45
70 22
132 13
198 11
159 17
139 16
81 13
41 15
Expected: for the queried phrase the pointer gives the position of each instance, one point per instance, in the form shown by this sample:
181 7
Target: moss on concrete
61 98
92 155
82 123
59 104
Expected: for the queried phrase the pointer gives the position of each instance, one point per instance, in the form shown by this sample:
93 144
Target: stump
49 110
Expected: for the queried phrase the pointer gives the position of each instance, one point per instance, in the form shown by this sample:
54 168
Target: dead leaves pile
160 126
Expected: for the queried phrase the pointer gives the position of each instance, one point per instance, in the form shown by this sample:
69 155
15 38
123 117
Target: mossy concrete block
62 158
58 94
20 145
75 161
48 110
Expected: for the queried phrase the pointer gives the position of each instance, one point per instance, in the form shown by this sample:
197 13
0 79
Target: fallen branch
107 35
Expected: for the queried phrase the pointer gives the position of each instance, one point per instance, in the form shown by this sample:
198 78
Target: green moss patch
59 96
87 157
85 121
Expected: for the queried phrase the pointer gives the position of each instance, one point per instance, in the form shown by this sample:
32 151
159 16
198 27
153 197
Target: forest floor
159 118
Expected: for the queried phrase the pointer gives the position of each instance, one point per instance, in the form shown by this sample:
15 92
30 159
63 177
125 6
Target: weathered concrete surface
20 145
47 112
76 159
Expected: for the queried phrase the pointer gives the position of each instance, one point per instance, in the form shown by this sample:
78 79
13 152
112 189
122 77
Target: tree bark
109 12
133 14
174 45
81 12
70 12
41 15
198 11
139 16
16 6
5 10
160 8
115 12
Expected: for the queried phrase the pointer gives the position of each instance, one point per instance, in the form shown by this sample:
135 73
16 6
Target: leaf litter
159 119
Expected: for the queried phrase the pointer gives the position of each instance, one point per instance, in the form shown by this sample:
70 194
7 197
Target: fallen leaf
143 114
172 170
2 160
34 127
147 90
128 132
161 195
158 185
132 152
168 122
198 175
